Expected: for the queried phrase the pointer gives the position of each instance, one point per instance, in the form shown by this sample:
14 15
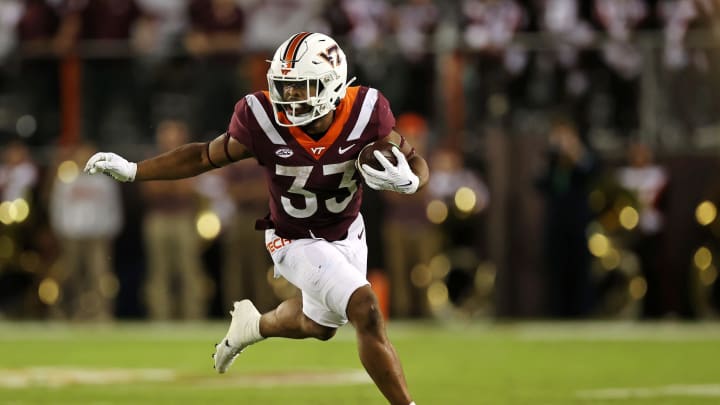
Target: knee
325 333
318 331
364 311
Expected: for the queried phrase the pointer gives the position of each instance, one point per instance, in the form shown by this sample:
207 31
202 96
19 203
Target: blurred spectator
18 185
415 24
335 20
563 20
370 27
490 25
38 34
677 16
565 184
244 271
620 18
10 14
85 215
113 106
709 11
691 95
175 283
370 21
18 173
270 22
159 35
215 41
560 73
38 25
18 210
466 196
488 28
410 239
450 174
164 69
647 182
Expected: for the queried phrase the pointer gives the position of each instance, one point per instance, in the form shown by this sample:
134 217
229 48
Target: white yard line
321 378
63 376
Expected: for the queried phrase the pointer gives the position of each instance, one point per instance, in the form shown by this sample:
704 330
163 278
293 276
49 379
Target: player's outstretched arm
185 161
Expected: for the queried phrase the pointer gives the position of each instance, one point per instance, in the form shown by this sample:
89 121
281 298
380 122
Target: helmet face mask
307 79
295 97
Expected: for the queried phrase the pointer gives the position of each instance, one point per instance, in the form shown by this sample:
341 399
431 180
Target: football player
306 131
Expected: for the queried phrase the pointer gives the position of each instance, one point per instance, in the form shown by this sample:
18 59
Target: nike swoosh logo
361 233
409 183
343 150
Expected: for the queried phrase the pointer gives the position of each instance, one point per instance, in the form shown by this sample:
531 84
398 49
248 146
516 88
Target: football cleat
244 330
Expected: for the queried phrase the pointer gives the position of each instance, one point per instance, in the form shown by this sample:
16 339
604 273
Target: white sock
412 403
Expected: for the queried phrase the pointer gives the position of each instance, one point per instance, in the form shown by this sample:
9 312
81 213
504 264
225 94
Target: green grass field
479 363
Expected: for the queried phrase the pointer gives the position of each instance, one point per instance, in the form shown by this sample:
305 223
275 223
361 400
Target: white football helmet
314 62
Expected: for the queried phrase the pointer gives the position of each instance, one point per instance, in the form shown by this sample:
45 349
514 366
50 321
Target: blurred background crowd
573 146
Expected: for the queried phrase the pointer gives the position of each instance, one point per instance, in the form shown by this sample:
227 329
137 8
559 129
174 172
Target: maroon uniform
314 187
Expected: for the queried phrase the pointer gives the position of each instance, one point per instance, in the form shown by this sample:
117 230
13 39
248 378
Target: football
367 156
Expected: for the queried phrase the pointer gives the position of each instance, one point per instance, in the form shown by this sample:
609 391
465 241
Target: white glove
399 178
113 165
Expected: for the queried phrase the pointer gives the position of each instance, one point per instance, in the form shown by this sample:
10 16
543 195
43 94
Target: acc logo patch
284 152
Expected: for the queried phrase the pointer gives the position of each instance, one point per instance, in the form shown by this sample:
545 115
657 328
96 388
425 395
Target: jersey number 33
301 174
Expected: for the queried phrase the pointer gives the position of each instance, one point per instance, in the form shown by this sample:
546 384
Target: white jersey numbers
348 170
302 174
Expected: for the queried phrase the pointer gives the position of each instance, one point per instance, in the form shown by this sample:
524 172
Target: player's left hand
399 178
113 165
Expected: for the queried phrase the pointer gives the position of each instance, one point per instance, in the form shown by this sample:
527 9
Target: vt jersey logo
317 150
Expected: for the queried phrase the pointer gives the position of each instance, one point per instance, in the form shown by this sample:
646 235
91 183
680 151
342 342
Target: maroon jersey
314 186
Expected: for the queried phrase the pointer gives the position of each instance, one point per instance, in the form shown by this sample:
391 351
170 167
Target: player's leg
335 290
296 262
248 327
288 321
377 354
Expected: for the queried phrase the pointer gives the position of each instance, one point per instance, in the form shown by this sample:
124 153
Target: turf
477 363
